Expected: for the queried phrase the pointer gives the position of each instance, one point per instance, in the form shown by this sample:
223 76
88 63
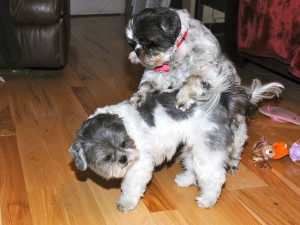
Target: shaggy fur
197 66
122 141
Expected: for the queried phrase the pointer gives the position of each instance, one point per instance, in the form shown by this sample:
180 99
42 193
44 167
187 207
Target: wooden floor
38 120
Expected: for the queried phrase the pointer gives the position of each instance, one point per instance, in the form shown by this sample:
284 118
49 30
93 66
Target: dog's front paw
126 204
138 99
183 100
206 201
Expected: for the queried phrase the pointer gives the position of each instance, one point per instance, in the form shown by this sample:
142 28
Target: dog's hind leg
187 176
209 167
239 128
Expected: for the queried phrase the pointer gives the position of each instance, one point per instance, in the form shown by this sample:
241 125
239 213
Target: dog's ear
79 156
171 24
129 143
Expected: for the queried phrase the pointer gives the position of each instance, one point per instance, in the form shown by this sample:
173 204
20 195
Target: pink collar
165 67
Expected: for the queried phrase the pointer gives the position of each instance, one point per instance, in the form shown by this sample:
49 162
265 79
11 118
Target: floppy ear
79 156
171 24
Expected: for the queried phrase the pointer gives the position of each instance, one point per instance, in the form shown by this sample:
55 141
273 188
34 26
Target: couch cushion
37 11
41 46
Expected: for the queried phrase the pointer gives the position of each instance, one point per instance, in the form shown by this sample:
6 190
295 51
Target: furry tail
258 92
213 97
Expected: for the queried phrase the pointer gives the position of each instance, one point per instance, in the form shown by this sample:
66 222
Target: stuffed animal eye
269 151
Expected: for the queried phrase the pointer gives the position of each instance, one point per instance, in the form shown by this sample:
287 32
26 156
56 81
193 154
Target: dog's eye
106 158
132 43
148 44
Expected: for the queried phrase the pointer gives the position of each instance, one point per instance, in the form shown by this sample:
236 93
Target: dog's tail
213 97
258 92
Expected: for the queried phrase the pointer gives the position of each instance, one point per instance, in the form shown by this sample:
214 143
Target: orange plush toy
262 151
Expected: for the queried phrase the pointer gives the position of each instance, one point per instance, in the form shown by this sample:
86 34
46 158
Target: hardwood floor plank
58 147
156 200
47 207
184 200
36 161
172 217
14 202
106 200
7 127
80 204
70 78
41 102
68 109
244 178
103 93
85 99
276 209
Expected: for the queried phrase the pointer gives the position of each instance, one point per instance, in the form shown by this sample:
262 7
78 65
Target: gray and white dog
122 141
178 52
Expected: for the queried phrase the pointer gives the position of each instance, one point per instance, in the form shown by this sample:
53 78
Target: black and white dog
178 53
122 141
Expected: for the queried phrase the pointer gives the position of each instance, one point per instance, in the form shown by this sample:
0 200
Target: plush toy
262 151
295 152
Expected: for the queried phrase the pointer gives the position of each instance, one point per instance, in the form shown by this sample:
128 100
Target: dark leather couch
41 30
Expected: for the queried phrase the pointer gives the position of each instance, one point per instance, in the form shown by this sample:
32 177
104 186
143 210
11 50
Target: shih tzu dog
122 141
178 52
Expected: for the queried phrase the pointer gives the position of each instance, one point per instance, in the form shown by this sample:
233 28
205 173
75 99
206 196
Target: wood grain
7 127
14 202
40 185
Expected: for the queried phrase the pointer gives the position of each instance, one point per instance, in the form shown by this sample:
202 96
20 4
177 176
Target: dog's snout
138 51
123 159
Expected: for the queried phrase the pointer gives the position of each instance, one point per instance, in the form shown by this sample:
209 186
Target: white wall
86 7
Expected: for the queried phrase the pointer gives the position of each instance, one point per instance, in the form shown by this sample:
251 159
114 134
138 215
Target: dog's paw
205 201
126 204
184 179
183 101
137 99
233 165
232 169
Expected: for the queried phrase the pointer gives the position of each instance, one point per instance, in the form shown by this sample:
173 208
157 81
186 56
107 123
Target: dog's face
152 34
103 145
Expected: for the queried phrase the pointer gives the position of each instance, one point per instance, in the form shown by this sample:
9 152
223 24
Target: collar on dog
182 39
165 67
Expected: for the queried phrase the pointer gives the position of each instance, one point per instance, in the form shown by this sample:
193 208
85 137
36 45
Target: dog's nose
138 51
123 159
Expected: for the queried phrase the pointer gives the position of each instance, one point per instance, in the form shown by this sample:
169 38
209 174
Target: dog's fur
198 68
122 141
